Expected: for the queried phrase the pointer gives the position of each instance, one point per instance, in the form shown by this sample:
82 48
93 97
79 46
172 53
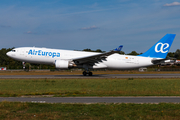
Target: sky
93 24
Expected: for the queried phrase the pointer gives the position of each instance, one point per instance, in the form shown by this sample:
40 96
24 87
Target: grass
90 87
44 111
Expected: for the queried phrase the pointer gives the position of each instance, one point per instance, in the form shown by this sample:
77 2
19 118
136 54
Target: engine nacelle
62 64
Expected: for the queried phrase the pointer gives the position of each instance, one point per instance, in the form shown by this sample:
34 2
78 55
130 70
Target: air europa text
43 53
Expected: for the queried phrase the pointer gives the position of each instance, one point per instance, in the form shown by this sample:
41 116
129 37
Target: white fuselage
49 56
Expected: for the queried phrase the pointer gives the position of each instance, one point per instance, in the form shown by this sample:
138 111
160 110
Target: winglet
119 48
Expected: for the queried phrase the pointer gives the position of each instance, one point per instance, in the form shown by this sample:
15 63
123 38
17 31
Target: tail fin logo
160 47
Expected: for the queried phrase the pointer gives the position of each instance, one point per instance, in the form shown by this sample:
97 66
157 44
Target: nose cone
8 54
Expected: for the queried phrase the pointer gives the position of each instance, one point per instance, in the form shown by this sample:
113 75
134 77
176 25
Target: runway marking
38 101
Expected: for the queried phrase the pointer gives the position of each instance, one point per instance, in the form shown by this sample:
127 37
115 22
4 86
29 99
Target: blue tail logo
161 48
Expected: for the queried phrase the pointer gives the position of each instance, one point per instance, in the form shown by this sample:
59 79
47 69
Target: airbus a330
66 59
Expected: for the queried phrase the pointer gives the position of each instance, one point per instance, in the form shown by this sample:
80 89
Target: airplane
65 59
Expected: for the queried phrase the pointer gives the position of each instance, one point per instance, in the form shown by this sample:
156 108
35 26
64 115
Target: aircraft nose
8 53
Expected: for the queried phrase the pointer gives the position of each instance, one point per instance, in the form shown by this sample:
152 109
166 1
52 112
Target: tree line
10 63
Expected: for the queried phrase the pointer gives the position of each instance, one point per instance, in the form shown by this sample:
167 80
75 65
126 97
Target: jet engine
63 64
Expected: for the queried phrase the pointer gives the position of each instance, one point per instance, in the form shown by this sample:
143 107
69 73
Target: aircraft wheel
84 73
90 73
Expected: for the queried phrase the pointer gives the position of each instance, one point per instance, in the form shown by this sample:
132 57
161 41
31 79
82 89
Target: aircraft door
26 54
22 52
136 60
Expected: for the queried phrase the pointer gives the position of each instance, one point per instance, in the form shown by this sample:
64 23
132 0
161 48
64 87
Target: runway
87 100
95 76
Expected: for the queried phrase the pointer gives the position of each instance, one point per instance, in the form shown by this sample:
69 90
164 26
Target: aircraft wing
91 60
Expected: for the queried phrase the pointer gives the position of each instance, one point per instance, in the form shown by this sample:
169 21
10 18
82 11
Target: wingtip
119 48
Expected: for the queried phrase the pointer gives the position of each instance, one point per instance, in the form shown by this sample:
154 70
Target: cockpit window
13 50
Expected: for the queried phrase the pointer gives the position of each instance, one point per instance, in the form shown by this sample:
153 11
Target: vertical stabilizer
161 48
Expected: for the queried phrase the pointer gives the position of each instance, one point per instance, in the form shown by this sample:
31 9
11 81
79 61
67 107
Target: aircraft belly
123 64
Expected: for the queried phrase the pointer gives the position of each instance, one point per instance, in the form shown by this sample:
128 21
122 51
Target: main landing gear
87 73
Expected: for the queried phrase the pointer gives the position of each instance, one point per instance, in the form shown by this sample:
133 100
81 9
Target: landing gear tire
90 74
84 73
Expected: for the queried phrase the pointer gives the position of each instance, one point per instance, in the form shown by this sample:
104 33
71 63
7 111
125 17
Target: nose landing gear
24 65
